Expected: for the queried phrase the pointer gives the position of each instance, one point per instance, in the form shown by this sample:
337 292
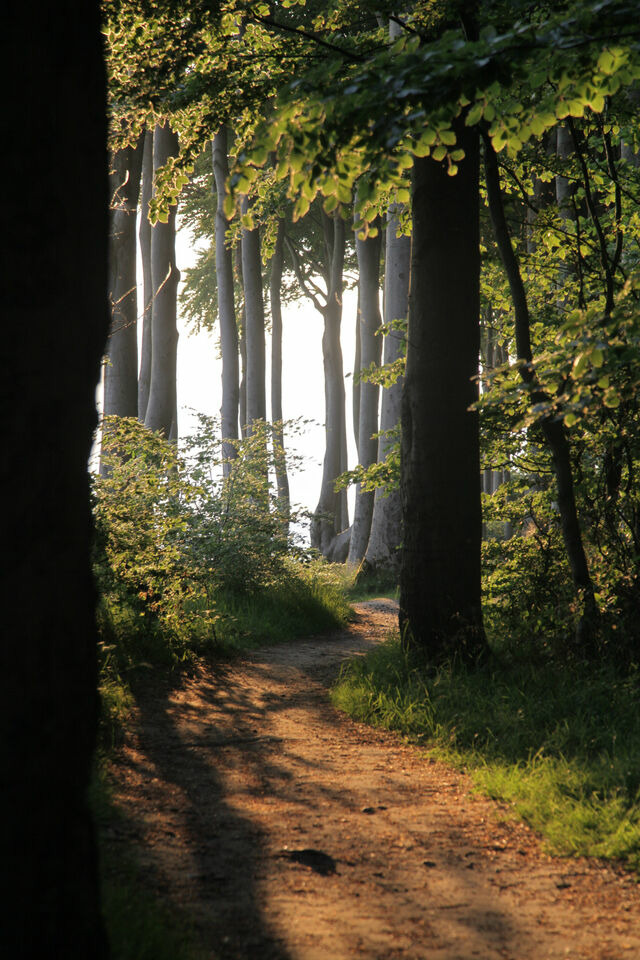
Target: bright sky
199 380
200 388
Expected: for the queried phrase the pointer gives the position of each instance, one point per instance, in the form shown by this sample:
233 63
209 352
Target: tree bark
55 325
369 321
226 308
121 369
383 553
144 236
275 288
254 323
331 515
161 410
242 344
440 610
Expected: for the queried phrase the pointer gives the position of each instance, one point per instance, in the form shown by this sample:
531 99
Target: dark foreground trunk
440 609
54 333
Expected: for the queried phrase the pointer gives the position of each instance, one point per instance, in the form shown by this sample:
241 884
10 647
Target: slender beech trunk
357 367
440 610
161 408
242 343
369 321
383 553
553 428
226 308
254 323
144 236
55 326
275 292
331 514
121 370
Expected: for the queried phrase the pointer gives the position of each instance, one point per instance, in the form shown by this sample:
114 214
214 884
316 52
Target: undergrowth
310 598
559 743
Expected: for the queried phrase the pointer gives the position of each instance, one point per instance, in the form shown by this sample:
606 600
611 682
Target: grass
310 598
560 744
367 584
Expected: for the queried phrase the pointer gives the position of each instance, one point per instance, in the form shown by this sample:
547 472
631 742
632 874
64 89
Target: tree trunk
161 409
440 610
282 480
383 553
357 367
369 320
553 429
121 370
242 344
55 325
144 235
330 516
254 323
226 309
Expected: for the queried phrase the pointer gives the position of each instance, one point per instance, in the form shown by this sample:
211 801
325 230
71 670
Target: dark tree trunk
121 369
440 611
162 407
552 428
254 323
144 235
55 324
282 480
369 320
226 308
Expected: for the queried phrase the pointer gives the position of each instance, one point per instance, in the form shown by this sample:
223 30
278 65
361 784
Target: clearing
289 832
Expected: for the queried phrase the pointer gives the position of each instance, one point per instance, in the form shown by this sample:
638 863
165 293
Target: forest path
289 832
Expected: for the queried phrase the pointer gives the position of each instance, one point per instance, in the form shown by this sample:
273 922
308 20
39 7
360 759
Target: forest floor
287 831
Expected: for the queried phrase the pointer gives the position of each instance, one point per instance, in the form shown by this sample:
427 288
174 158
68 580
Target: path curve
289 832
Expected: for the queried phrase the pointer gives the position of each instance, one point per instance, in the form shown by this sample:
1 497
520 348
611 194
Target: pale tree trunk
226 309
161 409
254 323
55 325
121 369
357 366
383 553
330 515
275 290
440 609
369 321
242 344
144 236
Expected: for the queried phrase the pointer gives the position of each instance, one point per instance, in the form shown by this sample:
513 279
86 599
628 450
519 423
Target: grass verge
560 744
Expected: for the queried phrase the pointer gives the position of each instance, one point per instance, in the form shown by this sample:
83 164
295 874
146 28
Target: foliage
190 563
559 745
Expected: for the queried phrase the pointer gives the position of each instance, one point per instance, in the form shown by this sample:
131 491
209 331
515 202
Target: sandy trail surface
286 831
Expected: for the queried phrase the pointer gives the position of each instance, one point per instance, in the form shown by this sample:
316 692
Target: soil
287 831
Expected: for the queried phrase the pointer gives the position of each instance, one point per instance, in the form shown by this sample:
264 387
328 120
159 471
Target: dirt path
288 831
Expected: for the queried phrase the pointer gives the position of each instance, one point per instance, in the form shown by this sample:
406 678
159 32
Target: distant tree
161 413
56 320
121 369
368 324
226 304
385 538
144 235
